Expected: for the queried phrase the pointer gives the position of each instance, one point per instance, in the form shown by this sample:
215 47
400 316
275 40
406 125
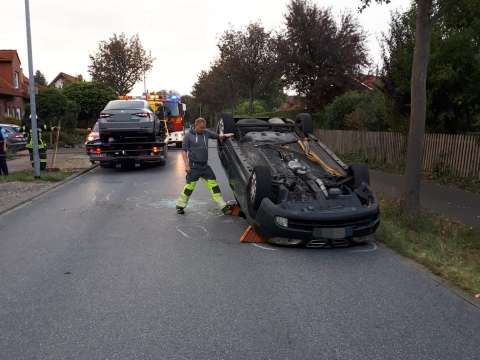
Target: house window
18 114
16 81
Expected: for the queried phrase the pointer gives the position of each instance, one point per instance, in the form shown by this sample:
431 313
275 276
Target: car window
125 105
172 108
95 127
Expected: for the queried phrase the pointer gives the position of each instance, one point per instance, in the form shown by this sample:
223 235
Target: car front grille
324 243
310 225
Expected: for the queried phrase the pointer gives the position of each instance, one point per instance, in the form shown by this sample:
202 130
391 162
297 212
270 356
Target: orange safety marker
235 211
250 236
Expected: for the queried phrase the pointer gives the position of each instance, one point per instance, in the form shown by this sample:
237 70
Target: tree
250 60
454 69
40 78
215 90
193 109
321 58
120 63
91 98
423 32
54 107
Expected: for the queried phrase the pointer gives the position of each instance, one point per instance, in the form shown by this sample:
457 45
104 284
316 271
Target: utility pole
31 86
145 85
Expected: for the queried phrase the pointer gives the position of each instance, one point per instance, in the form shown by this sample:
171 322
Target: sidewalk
454 203
66 159
12 193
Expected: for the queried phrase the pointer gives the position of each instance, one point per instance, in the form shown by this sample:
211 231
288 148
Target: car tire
305 123
226 124
360 175
259 187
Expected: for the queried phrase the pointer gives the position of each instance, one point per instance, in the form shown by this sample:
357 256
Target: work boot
180 210
227 210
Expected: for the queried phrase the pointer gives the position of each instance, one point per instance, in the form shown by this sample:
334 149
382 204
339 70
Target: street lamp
31 86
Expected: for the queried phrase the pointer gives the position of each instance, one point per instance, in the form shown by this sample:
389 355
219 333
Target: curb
55 186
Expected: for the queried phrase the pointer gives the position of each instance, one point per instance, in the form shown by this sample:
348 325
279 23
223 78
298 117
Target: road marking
206 231
372 249
264 247
183 233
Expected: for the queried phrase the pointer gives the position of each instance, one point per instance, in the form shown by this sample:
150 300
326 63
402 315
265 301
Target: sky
181 34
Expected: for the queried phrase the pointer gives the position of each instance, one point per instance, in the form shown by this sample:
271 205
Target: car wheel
226 124
305 123
259 187
360 174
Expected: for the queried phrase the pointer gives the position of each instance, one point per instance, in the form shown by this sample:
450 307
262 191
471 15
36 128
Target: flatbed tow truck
130 149
128 152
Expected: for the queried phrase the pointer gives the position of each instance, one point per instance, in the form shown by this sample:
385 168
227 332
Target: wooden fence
457 155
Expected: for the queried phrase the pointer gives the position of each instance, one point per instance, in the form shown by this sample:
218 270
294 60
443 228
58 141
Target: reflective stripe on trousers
211 185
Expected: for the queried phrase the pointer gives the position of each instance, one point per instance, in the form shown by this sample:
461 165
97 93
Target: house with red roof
13 85
63 79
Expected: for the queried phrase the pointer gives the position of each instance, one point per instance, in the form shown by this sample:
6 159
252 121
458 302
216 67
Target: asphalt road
103 268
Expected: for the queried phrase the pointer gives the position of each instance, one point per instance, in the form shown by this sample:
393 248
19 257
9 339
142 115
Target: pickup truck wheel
360 175
305 123
259 187
226 124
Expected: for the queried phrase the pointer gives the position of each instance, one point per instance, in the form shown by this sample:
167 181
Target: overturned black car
292 189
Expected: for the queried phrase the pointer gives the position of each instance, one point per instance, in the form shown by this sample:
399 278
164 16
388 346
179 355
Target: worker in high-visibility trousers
195 156
42 128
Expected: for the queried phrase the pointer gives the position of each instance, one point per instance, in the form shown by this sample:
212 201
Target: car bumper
332 227
119 156
17 145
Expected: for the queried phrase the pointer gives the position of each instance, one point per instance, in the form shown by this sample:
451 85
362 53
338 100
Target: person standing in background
3 153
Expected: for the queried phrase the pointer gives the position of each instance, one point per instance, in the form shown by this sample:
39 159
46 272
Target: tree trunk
250 100
423 33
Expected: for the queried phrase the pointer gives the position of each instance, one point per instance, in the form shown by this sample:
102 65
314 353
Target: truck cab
175 113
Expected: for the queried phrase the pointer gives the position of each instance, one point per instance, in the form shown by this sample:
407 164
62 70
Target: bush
68 137
54 108
356 111
259 106
91 98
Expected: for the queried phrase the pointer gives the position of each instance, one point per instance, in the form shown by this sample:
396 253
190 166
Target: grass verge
471 184
449 249
28 176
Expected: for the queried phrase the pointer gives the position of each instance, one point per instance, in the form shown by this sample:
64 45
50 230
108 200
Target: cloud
181 34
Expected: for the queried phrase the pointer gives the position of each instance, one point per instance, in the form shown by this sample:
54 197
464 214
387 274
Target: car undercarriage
292 188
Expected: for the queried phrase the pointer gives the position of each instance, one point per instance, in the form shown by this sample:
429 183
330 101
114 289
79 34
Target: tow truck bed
127 152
